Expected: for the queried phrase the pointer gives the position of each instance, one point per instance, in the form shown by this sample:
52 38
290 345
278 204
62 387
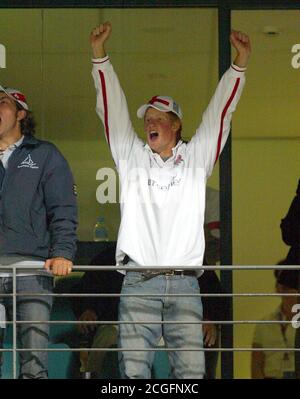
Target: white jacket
163 203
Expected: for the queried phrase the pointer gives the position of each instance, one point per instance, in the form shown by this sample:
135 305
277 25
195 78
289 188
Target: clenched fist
241 42
98 37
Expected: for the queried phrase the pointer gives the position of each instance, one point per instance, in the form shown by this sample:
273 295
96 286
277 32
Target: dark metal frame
223 4
225 182
224 22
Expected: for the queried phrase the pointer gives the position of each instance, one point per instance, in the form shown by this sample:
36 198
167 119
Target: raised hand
241 42
209 334
98 37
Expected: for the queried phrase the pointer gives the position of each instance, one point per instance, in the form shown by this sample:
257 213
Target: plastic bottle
100 230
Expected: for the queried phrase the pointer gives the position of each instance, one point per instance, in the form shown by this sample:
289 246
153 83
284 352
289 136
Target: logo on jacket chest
179 160
28 163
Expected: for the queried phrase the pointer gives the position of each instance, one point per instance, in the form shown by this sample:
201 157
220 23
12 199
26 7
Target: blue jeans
138 364
33 364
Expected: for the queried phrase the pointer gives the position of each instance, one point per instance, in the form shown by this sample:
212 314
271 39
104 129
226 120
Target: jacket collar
29 140
173 149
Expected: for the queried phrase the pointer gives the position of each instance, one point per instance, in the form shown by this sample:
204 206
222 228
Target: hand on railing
59 266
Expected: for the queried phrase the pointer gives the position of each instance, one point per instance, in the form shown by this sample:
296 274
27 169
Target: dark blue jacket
38 211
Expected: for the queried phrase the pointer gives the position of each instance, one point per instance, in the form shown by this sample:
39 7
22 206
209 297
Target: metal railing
15 322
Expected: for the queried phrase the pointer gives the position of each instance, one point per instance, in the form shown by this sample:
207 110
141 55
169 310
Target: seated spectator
214 308
98 309
277 364
290 230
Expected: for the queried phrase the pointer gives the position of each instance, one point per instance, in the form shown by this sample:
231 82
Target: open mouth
153 136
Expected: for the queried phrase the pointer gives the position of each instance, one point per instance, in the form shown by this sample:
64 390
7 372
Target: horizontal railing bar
153 322
154 349
84 295
160 269
164 268
214 267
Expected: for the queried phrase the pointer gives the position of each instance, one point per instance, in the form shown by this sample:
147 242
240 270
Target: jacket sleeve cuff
62 254
237 68
100 61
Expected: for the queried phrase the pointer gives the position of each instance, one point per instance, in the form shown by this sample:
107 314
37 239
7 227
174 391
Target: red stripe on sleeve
104 95
223 116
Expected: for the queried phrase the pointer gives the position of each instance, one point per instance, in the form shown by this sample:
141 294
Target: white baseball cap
16 95
161 103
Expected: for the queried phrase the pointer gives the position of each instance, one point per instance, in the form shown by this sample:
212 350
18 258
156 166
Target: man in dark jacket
38 220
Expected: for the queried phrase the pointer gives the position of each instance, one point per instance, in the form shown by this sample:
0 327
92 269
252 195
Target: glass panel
266 149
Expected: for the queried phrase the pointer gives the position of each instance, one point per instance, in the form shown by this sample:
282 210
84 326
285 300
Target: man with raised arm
162 211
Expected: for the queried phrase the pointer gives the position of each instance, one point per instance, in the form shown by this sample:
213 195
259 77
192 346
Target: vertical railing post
224 16
14 323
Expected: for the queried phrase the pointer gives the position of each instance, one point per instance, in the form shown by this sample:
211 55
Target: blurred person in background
277 364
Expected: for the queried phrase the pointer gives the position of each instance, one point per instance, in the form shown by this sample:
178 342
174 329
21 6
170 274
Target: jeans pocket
192 283
46 283
132 279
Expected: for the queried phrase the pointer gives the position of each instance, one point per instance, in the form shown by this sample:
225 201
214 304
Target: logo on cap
161 103
16 95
